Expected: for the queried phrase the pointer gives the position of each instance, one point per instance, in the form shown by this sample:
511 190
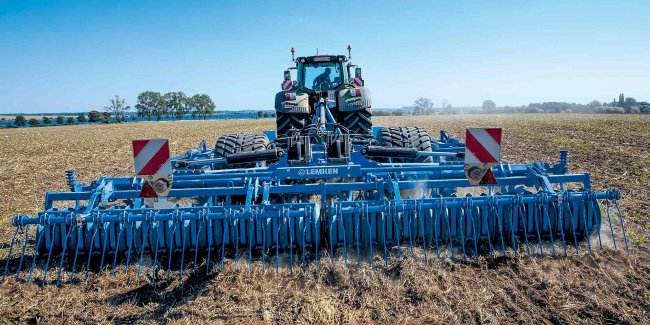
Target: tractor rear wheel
286 122
237 143
358 122
406 137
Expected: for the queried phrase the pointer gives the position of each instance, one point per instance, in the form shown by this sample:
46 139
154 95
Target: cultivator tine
184 235
277 248
435 228
49 256
561 223
31 268
408 215
514 210
396 230
105 233
546 218
421 226
303 264
129 246
592 210
366 215
582 212
573 226
144 240
76 252
223 241
11 248
198 235
155 254
65 243
448 220
469 206
263 252
383 236
339 219
208 232
534 210
611 228
170 247
250 241
22 254
620 217
356 236
236 233
520 208
119 235
498 214
462 233
286 216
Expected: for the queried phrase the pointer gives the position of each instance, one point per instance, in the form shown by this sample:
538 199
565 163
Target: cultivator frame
356 203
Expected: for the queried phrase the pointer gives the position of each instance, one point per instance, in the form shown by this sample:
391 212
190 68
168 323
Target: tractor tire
286 122
358 122
236 143
406 137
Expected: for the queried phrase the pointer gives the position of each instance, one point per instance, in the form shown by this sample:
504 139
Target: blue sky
60 56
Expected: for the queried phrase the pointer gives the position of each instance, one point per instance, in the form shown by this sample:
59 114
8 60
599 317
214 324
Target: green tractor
328 89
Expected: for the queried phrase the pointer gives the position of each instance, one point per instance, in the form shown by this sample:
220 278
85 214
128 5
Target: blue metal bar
11 247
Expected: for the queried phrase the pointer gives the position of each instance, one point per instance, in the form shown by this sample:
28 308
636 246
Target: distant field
606 287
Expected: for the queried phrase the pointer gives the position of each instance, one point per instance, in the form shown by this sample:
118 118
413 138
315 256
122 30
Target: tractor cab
321 73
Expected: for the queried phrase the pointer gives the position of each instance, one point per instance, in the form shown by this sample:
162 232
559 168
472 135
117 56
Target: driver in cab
323 80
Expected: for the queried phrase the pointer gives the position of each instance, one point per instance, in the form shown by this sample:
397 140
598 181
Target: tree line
150 105
623 105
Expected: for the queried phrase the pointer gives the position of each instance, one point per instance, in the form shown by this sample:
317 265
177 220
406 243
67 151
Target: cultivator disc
298 196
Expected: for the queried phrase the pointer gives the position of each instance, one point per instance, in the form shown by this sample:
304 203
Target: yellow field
600 288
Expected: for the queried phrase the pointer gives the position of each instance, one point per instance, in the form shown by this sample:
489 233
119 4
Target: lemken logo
328 171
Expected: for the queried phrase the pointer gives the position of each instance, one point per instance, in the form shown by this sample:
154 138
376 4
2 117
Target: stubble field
601 288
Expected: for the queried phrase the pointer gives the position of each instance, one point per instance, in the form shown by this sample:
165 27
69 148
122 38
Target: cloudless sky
58 56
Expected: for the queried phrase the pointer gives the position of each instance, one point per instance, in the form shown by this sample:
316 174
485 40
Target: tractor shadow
166 293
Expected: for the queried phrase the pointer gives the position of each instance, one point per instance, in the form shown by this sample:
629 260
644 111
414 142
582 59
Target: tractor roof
321 58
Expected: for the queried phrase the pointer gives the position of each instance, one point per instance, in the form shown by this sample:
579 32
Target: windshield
322 76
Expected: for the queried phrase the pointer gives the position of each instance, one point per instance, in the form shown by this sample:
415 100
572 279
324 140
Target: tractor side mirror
287 75
357 72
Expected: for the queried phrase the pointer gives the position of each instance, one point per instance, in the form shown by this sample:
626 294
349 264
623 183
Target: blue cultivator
355 192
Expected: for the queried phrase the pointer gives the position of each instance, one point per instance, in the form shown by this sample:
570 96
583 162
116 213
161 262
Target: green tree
621 100
81 118
149 102
175 104
106 117
94 116
70 120
60 120
489 105
33 122
398 112
47 120
117 107
20 120
595 103
422 106
266 114
203 105
259 114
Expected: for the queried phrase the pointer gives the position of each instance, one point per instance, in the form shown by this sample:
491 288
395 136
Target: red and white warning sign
287 85
358 82
153 163
482 150
483 146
